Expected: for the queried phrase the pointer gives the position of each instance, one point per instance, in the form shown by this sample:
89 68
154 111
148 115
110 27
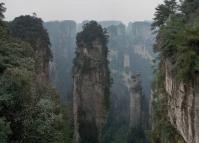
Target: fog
79 10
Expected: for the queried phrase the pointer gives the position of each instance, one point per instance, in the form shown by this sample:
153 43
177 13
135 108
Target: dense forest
29 105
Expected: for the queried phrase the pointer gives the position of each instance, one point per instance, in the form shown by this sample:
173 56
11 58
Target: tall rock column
90 84
135 102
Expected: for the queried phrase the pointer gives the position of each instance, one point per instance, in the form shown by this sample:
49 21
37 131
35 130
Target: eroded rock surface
183 106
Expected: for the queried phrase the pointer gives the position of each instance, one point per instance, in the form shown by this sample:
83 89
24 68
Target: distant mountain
109 23
62 37
131 53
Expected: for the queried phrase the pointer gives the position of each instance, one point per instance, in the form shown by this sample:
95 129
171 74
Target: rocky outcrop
89 91
89 109
135 101
183 109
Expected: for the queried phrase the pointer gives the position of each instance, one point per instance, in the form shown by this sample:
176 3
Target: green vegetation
30 29
93 31
2 10
67 123
178 36
163 131
163 11
29 106
137 135
177 42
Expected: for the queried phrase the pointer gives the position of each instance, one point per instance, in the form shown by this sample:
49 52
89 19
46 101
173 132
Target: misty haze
99 71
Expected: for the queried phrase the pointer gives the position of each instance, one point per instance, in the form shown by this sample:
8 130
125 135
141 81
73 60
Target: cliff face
135 102
177 74
183 106
135 42
125 62
42 56
89 91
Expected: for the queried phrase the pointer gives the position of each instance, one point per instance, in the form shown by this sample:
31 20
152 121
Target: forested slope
29 106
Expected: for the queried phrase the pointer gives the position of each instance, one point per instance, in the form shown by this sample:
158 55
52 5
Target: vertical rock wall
183 106
90 77
135 102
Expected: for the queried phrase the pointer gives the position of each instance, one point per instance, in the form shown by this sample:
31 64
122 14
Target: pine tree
189 6
2 10
163 11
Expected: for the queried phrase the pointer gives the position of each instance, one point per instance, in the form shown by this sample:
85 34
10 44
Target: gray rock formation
135 102
183 106
89 91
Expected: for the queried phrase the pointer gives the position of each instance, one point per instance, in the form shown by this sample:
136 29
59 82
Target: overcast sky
79 10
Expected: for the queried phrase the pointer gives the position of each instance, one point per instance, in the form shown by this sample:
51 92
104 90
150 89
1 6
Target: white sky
79 10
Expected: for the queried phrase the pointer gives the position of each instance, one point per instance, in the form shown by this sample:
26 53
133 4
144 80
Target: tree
163 11
4 130
2 10
92 31
29 107
3 28
189 6
177 42
30 29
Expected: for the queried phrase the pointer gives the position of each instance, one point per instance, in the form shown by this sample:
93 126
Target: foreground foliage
178 38
29 107
177 41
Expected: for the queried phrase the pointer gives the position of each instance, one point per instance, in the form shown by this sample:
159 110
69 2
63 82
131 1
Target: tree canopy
29 29
163 11
177 38
29 107
2 10
189 6
92 31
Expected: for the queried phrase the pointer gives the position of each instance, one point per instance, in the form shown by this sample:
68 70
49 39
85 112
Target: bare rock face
42 56
138 115
135 102
90 78
183 106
